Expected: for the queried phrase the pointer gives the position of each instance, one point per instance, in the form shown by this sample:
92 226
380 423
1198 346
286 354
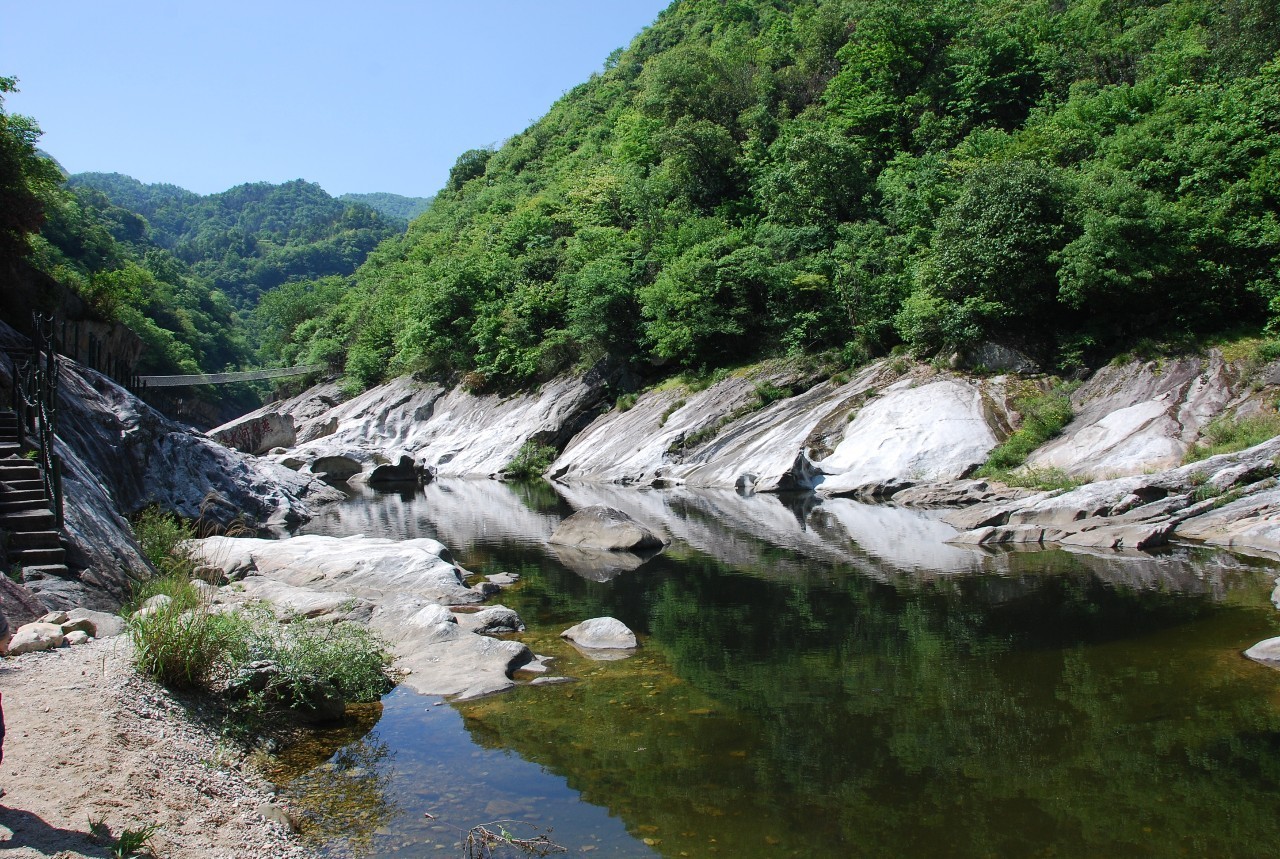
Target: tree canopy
754 177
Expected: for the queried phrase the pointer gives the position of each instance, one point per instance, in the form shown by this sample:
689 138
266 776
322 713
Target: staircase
25 510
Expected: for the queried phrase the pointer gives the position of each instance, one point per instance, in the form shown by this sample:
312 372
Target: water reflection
834 679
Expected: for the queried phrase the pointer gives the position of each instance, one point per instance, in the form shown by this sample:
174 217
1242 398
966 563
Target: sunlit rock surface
366 567
1228 500
938 430
602 527
449 431
399 587
1144 416
719 437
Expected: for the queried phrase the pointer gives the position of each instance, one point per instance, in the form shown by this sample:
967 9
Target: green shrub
1227 434
531 460
1043 416
671 410
347 655
769 393
160 536
1043 479
626 401
184 647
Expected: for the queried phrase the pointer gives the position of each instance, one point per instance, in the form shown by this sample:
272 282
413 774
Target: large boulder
33 637
600 527
257 433
602 633
369 568
440 657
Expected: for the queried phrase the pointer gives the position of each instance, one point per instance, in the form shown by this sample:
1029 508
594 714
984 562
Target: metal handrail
39 394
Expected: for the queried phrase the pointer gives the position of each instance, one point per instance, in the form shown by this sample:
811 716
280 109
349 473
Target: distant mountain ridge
253 237
392 205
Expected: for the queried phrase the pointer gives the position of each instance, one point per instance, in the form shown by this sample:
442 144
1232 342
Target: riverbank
88 740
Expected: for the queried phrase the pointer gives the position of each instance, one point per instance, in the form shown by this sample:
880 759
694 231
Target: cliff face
892 430
891 425
120 456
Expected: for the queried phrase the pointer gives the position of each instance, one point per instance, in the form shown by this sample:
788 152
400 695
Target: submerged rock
1267 652
600 527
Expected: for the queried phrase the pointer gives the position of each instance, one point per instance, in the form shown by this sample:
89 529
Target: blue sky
358 96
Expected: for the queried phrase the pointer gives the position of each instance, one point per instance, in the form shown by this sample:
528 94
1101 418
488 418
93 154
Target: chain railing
36 386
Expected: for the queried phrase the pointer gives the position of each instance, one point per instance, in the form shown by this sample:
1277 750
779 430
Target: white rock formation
1140 417
910 433
601 633
258 433
365 567
400 588
33 637
605 528
451 432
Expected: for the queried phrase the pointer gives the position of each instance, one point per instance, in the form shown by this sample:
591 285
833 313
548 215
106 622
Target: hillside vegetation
391 205
184 271
751 178
253 237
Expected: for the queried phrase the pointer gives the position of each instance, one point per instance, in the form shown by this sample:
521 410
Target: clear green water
824 680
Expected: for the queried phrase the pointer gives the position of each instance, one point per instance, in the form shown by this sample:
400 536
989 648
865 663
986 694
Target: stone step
44 571
21 470
10 448
36 494
24 485
38 557
28 520
34 540
7 506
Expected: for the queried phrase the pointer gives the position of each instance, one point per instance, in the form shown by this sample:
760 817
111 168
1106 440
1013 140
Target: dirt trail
88 739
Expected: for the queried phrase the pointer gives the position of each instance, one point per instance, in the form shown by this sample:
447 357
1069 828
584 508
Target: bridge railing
225 378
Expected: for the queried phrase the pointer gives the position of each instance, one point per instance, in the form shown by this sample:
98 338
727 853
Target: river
820 679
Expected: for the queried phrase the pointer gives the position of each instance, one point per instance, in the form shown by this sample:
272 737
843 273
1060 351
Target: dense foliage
753 177
103 253
179 269
391 205
253 237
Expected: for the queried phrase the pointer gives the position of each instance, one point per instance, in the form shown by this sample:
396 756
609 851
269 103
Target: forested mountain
79 241
753 177
253 237
391 205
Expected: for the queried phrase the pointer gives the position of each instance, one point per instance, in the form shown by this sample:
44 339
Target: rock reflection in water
337 780
835 679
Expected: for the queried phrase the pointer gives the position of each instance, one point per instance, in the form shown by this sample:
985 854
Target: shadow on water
834 679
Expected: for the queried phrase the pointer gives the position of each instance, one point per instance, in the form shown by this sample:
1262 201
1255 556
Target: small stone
153 606
82 624
76 636
58 617
277 814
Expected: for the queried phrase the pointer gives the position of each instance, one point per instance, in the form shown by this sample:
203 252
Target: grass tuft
1226 434
1044 414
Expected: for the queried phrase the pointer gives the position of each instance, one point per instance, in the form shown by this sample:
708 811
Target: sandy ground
88 739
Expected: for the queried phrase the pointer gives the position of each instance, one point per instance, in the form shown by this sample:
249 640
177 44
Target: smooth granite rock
607 529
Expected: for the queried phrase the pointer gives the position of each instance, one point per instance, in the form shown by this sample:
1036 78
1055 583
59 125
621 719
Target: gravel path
88 739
